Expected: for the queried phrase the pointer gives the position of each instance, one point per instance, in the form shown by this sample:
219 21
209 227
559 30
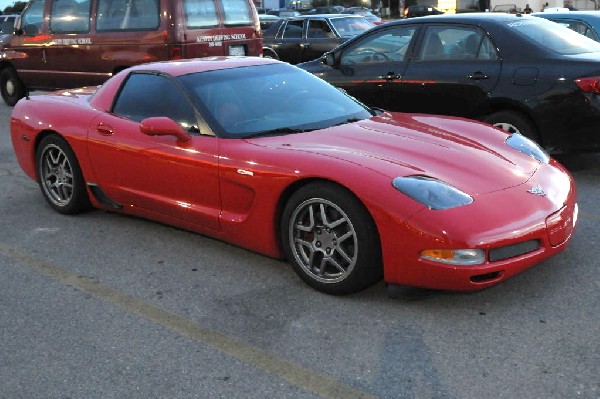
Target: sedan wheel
331 240
60 177
513 122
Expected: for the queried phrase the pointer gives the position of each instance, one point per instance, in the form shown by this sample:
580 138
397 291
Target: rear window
237 13
200 14
127 15
554 37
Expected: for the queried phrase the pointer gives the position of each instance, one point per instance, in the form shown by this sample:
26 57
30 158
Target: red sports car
266 156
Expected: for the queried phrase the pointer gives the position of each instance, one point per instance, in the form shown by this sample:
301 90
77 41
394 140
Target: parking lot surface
107 306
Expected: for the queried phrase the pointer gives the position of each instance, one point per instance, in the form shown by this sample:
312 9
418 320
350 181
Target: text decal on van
74 40
217 40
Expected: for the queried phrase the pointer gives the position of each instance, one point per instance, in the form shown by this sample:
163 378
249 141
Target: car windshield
8 25
351 26
554 37
269 99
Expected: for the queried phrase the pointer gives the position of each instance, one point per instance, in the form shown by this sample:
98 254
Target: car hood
469 155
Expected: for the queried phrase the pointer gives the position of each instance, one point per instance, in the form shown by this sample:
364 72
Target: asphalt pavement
101 305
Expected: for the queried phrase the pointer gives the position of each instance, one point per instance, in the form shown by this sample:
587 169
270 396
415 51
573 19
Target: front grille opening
482 278
511 251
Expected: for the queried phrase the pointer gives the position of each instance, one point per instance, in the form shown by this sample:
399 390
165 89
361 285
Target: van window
127 15
236 12
70 16
200 13
32 18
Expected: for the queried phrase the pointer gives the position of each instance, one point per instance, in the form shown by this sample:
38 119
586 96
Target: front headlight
527 147
459 257
430 192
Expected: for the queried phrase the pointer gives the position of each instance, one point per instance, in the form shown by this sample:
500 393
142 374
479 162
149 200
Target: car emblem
537 190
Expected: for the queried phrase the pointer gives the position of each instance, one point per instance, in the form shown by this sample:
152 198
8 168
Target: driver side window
389 45
147 95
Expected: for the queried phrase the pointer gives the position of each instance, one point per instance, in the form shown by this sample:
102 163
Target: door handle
389 77
105 129
478 76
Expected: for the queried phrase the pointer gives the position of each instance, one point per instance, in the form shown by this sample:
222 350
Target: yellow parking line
318 383
589 215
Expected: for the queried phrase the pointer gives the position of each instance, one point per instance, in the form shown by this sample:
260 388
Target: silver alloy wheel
323 240
56 175
507 127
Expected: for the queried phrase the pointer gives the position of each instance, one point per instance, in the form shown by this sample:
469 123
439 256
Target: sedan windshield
269 99
555 37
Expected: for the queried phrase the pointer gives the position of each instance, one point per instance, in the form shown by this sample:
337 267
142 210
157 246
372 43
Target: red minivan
72 43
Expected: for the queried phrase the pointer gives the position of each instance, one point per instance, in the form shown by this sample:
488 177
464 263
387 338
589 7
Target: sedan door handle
478 76
389 77
105 129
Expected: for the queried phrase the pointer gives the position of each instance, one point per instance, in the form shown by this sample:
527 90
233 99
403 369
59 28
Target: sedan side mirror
329 59
163 126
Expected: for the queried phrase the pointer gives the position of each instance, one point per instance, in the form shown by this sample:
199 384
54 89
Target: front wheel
11 86
513 122
60 177
331 239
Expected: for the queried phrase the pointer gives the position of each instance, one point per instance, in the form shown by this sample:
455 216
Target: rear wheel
268 53
513 122
60 177
331 240
11 86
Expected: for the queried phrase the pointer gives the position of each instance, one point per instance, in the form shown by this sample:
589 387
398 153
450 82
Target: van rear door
214 27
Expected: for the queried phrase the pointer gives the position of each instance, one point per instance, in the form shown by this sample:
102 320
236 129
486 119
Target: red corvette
266 156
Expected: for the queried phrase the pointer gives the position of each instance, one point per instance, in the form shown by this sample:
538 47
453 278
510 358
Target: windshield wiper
281 130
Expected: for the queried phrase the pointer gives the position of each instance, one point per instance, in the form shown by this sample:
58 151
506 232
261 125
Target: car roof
330 16
186 66
474 17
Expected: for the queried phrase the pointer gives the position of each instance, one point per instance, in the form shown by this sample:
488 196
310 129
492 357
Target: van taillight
589 85
175 52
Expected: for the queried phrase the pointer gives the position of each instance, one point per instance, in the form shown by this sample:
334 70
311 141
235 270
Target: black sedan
521 73
307 37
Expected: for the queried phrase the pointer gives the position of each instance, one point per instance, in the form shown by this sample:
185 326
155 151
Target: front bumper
517 229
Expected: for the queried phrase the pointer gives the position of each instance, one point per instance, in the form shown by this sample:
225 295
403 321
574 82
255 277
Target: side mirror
163 126
329 59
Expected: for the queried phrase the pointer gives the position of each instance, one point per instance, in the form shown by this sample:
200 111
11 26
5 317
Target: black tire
513 122
331 240
11 86
268 53
60 177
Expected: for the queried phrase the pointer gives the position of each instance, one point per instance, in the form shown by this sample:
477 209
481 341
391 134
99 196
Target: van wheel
11 86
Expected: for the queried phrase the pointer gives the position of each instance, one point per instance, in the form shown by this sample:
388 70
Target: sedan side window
454 44
319 29
388 45
292 30
147 95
